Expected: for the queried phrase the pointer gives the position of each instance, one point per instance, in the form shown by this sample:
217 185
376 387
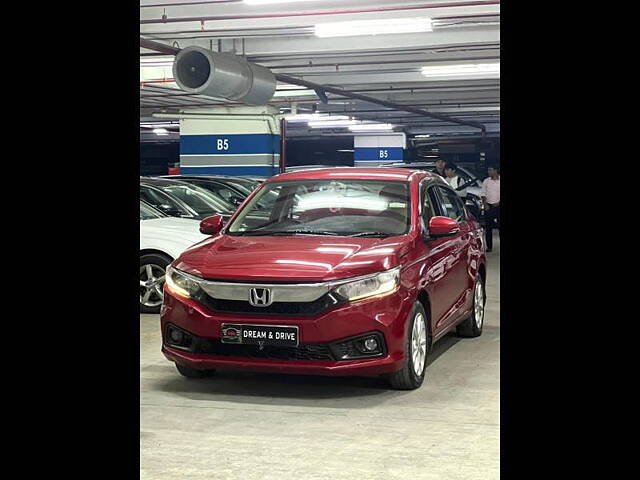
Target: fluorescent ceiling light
373 27
370 127
294 93
159 124
463 70
161 131
305 117
422 136
331 123
287 86
269 2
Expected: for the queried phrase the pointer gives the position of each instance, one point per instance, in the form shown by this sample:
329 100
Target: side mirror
443 227
211 225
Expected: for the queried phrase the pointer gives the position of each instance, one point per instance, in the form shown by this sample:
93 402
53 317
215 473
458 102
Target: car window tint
161 201
428 207
450 203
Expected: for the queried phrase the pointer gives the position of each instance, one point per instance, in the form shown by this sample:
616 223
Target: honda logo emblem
260 297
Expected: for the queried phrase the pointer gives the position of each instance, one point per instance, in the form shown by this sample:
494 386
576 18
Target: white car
162 240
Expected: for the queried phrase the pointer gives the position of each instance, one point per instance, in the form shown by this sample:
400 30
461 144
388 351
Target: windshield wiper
370 234
286 232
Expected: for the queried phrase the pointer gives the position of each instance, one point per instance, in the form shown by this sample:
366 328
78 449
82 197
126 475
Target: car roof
161 181
206 177
357 173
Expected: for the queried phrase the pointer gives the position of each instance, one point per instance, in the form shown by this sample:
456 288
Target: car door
435 256
454 286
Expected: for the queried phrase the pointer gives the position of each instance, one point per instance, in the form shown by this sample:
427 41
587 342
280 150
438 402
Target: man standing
491 200
454 180
440 163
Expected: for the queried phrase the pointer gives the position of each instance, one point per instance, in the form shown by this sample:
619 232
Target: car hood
169 235
298 258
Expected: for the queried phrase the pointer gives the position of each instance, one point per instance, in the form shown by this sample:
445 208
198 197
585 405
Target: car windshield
199 199
148 213
226 193
327 207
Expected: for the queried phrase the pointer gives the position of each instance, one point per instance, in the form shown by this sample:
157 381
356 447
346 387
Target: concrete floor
261 426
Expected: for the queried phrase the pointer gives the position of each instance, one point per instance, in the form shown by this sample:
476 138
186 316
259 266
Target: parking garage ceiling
282 36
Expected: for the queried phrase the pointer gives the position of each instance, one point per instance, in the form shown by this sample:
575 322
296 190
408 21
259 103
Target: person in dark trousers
491 201
439 168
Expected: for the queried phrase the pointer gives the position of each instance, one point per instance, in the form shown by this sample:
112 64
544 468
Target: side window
428 206
161 201
451 205
436 202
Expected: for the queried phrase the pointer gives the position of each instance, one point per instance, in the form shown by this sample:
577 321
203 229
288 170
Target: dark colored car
352 271
180 199
232 190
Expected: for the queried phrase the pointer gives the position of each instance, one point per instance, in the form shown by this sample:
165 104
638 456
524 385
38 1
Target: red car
341 271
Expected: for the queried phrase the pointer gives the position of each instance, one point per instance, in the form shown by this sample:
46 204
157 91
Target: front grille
316 307
301 352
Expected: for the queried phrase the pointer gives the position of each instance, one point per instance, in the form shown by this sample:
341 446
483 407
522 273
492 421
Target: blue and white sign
243 146
374 150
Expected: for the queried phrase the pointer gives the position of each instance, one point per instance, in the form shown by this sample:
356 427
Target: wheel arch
147 251
482 271
425 301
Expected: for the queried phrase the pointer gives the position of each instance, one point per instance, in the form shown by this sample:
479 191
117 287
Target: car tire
472 326
417 346
189 372
152 264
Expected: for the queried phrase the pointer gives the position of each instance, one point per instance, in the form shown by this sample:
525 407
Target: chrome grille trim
281 292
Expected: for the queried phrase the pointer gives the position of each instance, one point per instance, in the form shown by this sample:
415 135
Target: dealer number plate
275 335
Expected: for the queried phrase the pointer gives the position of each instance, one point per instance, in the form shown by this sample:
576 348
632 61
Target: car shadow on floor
262 388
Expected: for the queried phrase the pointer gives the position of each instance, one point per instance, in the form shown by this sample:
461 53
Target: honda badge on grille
260 297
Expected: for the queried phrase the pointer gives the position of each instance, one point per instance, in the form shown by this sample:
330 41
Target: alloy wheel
478 304
151 283
419 344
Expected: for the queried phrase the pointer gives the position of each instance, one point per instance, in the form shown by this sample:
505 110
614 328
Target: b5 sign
222 144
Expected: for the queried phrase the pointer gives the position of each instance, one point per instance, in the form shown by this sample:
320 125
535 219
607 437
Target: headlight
180 284
380 284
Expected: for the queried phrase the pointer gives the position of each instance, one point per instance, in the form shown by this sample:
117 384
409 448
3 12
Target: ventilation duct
222 75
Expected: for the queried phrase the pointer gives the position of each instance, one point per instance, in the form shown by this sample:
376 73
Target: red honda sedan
341 271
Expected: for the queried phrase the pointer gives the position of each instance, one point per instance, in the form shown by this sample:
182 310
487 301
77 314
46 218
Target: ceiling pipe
394 106
477 3
151 45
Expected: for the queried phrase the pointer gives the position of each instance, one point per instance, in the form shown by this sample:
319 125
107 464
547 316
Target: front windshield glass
327 207
198 199
147 213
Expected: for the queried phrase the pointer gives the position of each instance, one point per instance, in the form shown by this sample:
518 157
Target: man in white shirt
454 180
491 201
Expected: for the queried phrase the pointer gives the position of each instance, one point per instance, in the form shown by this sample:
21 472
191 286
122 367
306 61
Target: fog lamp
176 335
371 344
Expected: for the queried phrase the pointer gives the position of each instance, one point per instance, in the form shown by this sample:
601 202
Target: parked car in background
180 199
232 190
352 271
162 239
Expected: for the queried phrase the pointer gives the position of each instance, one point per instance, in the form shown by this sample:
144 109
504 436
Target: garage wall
156 157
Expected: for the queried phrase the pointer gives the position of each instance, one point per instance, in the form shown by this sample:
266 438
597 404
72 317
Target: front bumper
386 316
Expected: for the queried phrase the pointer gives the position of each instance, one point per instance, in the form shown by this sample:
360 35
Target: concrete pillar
230 141
372 150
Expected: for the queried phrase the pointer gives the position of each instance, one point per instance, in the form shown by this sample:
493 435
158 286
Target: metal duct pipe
221 75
